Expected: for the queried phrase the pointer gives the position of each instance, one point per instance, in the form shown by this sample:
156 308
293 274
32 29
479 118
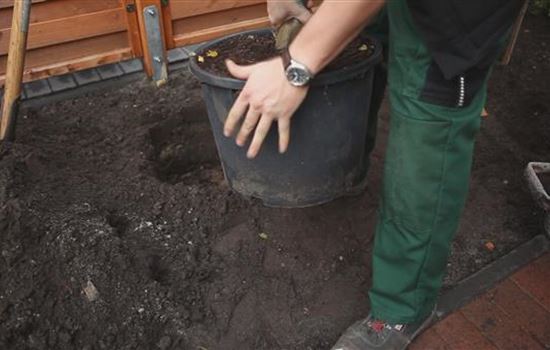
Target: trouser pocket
414 171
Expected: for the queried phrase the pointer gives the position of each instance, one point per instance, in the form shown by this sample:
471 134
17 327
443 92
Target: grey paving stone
177 55
191 48
86 76
23 94
131 66
177 66
109 71
37 88
62 82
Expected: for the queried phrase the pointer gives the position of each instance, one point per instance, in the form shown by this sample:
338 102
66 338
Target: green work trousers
426 179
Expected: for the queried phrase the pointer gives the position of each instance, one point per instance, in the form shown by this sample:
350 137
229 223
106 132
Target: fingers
259 136
275 22
284 134
239 72
249 124
235 114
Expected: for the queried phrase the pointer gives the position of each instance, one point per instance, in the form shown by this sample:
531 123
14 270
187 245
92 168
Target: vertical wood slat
134 36
167 24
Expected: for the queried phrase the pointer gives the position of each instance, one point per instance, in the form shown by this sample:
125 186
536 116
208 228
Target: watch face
297 76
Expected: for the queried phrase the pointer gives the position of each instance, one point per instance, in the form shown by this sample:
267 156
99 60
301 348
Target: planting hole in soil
182 149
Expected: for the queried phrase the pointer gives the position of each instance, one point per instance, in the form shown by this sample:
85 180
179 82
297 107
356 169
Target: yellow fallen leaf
263 235
212 53
200 59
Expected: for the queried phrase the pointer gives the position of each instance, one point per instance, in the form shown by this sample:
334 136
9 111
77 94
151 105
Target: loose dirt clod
490 246
164 342
91 292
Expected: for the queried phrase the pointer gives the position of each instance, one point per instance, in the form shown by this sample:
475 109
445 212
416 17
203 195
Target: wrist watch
296 73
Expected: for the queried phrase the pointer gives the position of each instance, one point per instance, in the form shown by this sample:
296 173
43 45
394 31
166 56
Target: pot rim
327 78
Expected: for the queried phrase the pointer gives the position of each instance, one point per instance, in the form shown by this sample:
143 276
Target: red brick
429 340
544 261
524 311
535 280
460 334
497 326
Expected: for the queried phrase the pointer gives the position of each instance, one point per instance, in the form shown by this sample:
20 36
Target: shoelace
377 326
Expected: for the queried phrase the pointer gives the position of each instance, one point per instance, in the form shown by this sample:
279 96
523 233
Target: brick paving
515 314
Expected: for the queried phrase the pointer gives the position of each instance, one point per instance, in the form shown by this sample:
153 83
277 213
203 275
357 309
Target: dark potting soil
118 231
248 49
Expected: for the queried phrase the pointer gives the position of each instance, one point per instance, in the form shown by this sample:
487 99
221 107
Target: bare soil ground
117 230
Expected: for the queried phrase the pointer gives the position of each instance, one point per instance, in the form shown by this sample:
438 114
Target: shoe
372 334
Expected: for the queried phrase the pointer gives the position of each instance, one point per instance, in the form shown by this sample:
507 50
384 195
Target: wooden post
14 68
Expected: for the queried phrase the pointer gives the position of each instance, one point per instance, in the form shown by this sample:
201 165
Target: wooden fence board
68 35
199 28
58 54
56 9
190 8
9 3
215 32
70 29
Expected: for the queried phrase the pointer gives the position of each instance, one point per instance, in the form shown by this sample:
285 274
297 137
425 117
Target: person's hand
280 11
266 97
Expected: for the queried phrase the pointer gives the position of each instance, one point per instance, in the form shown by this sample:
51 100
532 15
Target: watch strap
285 55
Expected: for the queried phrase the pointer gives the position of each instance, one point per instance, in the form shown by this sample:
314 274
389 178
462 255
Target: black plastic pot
327 156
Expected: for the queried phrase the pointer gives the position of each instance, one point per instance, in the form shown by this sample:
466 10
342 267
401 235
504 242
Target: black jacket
463 34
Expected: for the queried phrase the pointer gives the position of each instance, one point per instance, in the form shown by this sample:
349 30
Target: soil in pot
248 49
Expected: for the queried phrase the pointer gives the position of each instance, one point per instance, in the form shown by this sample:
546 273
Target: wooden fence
69 35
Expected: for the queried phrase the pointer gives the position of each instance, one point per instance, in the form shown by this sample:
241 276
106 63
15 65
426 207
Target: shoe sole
425 325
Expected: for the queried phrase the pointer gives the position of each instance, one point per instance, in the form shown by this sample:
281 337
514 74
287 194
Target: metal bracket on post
155 44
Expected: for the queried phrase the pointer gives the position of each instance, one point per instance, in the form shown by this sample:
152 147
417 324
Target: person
439 59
